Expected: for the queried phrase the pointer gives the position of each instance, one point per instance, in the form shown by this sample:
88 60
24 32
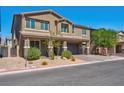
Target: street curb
55 67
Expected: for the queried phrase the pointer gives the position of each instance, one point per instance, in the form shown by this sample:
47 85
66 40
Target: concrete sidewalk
82 60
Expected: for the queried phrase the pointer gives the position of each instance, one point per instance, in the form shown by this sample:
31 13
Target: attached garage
74 48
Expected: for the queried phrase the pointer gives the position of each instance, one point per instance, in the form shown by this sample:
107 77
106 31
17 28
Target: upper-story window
44 25
73 29
30 23
84 31
64 28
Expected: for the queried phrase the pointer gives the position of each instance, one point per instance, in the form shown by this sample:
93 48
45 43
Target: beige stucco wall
78 32
120 37
23 23
87 35
122 46
46 17
56 29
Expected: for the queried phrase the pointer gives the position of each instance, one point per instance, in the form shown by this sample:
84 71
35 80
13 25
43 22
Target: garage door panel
73 48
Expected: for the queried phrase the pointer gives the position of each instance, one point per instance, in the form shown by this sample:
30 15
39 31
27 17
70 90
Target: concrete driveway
120 54
92 58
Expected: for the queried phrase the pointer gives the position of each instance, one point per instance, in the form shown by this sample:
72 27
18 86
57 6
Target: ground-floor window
34 44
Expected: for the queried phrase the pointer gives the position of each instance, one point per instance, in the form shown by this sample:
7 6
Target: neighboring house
11 50
5 47
120 46
32 28
8 42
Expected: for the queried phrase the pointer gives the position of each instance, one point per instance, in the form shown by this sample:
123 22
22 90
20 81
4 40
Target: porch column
9 45
50 48
26 46
114 52
88 48
83 47
9 51
17 47
65 45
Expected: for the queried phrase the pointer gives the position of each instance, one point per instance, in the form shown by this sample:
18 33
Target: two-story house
120 46
32 28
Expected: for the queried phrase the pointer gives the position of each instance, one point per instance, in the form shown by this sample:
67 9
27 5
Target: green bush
33 53
67 54
30 62
53 56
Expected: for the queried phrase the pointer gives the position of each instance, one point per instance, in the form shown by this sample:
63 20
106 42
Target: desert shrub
67 54
30 62
44 63
72 58
33 53
53 56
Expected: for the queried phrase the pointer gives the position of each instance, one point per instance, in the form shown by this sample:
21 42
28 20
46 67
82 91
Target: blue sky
95 17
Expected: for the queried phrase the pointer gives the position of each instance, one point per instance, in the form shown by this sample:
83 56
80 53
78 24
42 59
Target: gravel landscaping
56 62
12 62
16 63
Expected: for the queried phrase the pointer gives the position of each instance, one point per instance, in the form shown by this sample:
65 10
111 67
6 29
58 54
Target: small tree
46 44
104 38
57 45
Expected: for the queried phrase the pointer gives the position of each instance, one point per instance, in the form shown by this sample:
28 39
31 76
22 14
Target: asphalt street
98 74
